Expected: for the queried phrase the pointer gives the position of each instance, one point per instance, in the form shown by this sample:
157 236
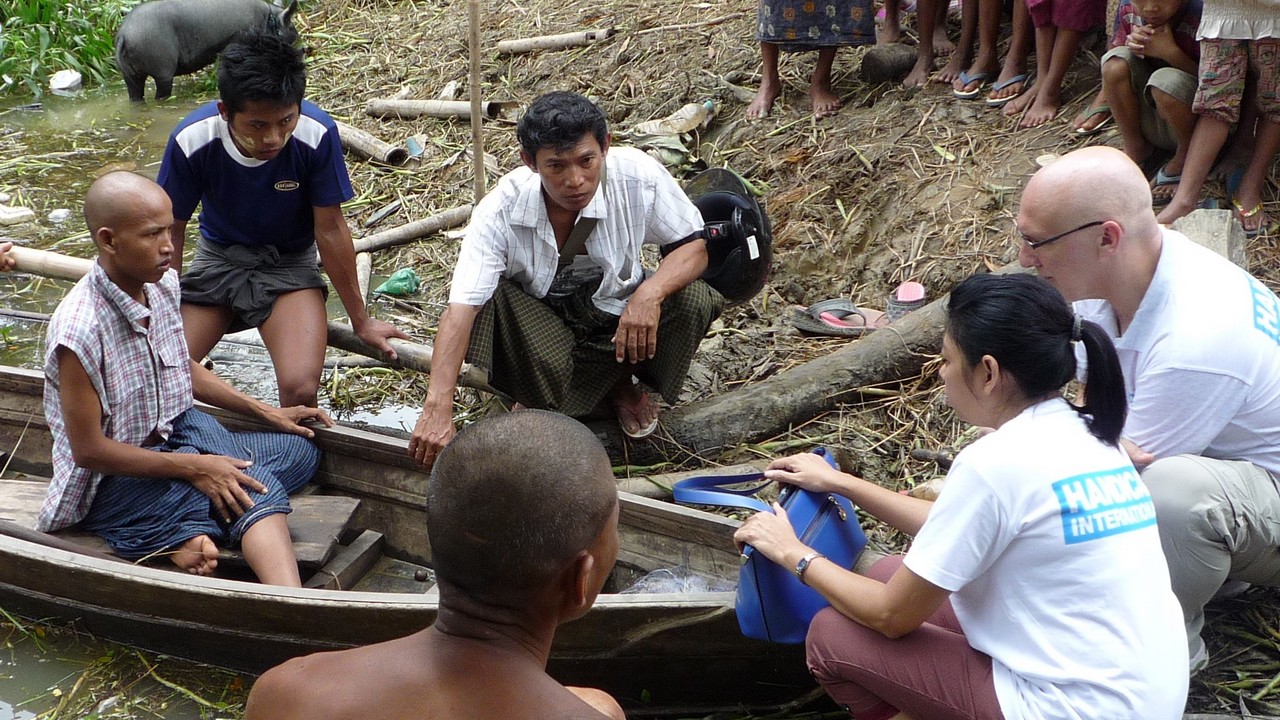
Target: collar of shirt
138 315
530 207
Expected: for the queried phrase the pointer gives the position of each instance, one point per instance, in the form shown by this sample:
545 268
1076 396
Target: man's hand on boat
432 432
291 419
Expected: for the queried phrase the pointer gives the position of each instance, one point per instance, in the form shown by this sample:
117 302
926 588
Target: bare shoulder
313 687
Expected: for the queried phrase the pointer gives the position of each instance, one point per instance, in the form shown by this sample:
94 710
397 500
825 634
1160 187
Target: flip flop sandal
837 318
982 78
1242 215
1087 131
639 434
1002 84
906 297
1163 179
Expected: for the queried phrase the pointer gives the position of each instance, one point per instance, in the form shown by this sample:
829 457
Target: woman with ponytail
1035 586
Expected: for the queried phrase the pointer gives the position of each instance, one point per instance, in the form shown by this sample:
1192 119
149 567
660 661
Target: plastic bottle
687 118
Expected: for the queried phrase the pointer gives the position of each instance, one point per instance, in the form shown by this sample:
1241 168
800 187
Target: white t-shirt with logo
1201 359
1047 539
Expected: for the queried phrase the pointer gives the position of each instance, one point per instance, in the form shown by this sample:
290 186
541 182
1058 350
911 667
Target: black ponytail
1028 327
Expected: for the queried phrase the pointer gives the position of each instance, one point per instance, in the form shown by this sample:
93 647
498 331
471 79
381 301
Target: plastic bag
402 282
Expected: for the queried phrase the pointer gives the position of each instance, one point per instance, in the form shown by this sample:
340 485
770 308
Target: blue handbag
772 604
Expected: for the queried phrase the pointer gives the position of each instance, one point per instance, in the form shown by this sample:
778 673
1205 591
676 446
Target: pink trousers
930 674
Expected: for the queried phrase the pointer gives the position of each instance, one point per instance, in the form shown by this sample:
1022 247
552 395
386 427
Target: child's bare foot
762 104
1044 109
198 555
1174 210
1011 83
1019 104
951 71
824 100
920 72
942 44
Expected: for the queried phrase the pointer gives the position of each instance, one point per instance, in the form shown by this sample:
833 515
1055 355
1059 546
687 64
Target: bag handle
710 490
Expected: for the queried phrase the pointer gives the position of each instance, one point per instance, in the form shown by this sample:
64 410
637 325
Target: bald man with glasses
1199 345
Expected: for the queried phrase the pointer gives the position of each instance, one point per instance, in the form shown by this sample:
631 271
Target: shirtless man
134 461
503 589
1199 346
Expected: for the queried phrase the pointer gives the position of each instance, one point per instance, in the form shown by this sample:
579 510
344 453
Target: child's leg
821 94
1120 93
985 60
1046 41
1173 104
1223 68
926 17
891 31
942 44
1013 81
963 53
770 83
1248 199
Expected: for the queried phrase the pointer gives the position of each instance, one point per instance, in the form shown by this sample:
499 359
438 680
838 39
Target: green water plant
40 37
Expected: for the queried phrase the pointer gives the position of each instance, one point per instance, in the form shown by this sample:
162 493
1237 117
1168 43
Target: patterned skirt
811 24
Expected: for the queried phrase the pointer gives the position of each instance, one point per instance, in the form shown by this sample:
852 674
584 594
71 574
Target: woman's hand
806 470
772 534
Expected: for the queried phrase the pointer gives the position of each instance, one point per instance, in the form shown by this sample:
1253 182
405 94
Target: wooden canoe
658 653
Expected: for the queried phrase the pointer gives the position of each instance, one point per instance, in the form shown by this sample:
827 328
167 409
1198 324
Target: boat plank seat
317 524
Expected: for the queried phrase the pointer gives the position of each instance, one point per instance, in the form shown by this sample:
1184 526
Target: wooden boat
658 653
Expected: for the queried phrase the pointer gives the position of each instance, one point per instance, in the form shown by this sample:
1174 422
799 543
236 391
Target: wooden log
553 42
411 355
405 109
367 146
409 232
887 63
50 264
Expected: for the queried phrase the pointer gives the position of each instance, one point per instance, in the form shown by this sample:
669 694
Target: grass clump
40 37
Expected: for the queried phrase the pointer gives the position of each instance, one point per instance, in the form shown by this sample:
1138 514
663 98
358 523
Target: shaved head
1093 183
114 197
513 499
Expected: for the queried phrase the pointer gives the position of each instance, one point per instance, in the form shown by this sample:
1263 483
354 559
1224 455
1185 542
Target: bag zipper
829 507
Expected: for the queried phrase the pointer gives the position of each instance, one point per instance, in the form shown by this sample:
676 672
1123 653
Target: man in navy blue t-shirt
266 167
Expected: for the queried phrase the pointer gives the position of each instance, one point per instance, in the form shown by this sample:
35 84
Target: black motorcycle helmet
739 241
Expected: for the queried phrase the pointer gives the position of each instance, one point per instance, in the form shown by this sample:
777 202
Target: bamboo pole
411 355
553 42
406 109
367 146
477 124
364 271
401 234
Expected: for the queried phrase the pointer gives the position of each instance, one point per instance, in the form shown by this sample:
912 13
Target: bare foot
762 104
1174 210
1044 109
942 44
824 100
919 73
951 71
889 35
1018 105
198 555
636 410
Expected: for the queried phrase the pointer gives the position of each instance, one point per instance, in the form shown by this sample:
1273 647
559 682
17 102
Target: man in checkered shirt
549 295
134 461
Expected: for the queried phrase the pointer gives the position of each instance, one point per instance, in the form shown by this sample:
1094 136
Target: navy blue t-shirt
248 201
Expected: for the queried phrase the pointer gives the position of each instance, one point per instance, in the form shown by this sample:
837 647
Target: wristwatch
803 564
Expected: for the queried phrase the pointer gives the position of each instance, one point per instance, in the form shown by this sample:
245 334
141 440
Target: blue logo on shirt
1097 505
1266 310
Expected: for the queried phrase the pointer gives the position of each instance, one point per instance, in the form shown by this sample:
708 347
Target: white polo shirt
511 237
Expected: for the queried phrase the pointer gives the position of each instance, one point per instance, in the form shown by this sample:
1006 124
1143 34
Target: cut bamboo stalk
50 264
401 234
364 271
367 146
477 106
387 107
554 42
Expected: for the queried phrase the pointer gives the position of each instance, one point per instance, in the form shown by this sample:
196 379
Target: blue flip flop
965 79
1163 179
1002 84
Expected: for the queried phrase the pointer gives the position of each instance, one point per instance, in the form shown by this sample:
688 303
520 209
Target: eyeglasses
1037 244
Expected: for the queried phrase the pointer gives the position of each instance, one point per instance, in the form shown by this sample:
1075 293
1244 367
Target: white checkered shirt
510 235
136 358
